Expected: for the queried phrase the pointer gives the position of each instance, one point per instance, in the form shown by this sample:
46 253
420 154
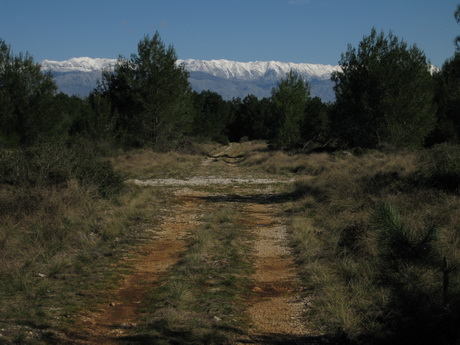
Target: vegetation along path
267 302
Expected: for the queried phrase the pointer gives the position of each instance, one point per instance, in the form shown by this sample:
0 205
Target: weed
440 167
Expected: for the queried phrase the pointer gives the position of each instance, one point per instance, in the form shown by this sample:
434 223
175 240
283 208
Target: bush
423 307
101 175
440 168
54 164
41 165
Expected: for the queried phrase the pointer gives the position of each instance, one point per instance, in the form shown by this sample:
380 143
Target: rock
128 325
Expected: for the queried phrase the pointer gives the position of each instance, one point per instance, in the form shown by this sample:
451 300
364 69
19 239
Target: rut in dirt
151 262
276 305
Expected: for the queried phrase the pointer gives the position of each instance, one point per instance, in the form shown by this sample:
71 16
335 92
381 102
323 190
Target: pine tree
290 99
26 98
448 102
384 94
457 18
316 122
151 95
212 115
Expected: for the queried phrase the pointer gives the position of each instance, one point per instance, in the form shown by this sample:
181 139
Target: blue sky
310 31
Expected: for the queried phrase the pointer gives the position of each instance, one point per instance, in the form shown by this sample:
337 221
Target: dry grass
282 163
198 303
59 243
339 250
148 164
58 247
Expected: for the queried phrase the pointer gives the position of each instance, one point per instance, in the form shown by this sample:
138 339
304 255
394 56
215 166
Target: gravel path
275 307
208 181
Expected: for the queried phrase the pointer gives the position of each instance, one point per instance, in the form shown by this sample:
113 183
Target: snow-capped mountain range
81 64
78 76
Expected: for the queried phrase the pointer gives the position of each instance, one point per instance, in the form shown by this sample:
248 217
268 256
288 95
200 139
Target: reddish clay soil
149 265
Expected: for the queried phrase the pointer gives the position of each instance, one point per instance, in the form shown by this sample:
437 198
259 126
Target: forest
388 96
373 215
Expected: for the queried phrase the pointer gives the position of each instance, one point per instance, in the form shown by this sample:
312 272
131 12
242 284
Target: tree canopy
447 98
384 94
289 99
26 96
150 95
457 18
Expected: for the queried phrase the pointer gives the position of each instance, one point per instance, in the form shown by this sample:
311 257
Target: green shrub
54 164
40 165
440 167
423 306
101 175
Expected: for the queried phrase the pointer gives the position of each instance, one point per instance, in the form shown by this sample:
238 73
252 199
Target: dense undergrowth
377 242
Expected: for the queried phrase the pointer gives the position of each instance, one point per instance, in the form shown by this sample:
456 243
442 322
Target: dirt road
274 305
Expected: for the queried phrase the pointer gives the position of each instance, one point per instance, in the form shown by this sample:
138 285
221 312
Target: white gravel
206 181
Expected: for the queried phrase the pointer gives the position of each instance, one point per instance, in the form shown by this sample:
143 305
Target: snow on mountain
228 78
238 79
257 69
81 64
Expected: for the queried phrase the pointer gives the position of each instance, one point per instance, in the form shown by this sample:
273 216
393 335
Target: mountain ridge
231 79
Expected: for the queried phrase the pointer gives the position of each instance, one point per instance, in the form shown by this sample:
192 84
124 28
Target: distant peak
257 69
78 64
79 75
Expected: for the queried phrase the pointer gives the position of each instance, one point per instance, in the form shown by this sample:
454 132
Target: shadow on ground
270 339
254 198
283 339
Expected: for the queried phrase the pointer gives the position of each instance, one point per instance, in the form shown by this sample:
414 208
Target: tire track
275 308
149 265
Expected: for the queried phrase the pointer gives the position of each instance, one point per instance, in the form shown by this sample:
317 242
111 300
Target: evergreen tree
290 99
26 98
448 102
90 117
457 18
315 125
252 118
151 96
421 274
384 94
212 115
